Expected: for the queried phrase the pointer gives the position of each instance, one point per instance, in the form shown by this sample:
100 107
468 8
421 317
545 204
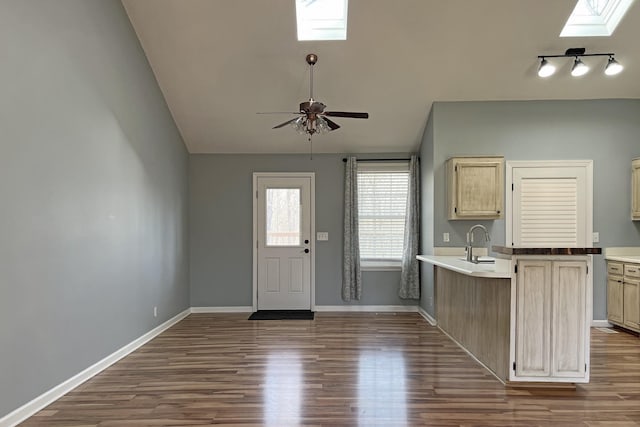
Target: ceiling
219 62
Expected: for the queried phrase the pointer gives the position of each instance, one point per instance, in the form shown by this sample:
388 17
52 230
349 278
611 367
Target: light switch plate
445 237
596 237
322 235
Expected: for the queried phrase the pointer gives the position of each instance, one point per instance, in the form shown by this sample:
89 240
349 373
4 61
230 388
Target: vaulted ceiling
219 62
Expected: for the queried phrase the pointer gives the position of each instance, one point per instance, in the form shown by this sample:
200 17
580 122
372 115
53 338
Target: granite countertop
501 269
509 250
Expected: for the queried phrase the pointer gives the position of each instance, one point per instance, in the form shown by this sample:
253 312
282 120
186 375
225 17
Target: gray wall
221 229
93 190
606 131
427 217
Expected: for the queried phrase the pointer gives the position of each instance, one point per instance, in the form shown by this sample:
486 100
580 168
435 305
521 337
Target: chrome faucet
469 247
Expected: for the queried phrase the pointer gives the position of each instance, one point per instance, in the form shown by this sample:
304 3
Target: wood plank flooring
360 369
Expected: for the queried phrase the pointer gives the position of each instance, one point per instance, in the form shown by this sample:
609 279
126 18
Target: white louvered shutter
549 207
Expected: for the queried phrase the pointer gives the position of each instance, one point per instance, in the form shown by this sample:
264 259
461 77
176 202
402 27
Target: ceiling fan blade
278 112
332 125
285 123
347 114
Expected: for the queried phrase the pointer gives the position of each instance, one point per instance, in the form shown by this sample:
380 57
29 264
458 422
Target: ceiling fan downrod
312 58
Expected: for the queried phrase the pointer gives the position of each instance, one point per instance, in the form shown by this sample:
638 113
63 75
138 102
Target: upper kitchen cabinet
475 187
635 189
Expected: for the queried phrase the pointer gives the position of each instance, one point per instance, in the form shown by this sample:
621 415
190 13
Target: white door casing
284 244
550 203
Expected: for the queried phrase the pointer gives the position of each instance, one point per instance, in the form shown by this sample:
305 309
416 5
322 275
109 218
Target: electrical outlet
155 311
596 237
445 237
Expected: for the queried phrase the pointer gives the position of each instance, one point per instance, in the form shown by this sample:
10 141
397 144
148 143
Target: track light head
579 68
613 67
546 68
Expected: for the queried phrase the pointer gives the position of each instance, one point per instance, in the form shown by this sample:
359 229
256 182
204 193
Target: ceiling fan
312 118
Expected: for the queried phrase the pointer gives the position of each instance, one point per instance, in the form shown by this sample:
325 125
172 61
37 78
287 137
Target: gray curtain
351 278
410 278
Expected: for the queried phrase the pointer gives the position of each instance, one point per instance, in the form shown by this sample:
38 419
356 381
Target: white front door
283 241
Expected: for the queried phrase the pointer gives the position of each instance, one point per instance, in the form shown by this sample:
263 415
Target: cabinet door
568 300
631 310
479 189
614 299
533 317
475 187
635 190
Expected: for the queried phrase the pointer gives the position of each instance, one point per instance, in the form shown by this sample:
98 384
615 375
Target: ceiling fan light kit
579 68
313 119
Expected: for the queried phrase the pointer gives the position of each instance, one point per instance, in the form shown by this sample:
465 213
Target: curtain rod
379 160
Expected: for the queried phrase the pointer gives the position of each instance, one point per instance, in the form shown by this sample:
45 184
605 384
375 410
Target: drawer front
632 270
615 268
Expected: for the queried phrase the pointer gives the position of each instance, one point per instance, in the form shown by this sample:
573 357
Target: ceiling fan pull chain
310 148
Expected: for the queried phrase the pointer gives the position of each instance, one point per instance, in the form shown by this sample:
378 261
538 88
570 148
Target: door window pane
283 217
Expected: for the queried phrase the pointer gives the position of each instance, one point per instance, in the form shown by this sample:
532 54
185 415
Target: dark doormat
282 315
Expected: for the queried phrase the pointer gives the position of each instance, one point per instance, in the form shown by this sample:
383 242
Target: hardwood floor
360 369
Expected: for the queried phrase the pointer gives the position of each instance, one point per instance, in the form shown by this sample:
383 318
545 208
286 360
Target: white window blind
382 201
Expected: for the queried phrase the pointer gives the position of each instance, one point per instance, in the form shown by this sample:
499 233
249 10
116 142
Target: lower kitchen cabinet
623 294
552 313
631 305
615 298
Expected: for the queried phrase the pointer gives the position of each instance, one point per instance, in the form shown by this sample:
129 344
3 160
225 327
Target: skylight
322 19
591 18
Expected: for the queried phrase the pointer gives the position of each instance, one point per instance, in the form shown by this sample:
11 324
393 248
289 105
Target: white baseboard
369 308
231 309
600 324
48 397
427 316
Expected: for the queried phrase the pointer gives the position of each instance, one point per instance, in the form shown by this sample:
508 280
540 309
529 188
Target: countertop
500 270
624 254
509 250
624 258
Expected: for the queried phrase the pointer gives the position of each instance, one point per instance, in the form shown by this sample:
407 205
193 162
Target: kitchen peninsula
525 317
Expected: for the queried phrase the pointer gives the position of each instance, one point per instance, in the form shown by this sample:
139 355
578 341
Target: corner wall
427 290
93 184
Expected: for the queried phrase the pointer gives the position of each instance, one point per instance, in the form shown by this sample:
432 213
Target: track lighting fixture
579 68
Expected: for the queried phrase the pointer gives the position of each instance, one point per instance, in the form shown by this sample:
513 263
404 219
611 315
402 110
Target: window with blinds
382 204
